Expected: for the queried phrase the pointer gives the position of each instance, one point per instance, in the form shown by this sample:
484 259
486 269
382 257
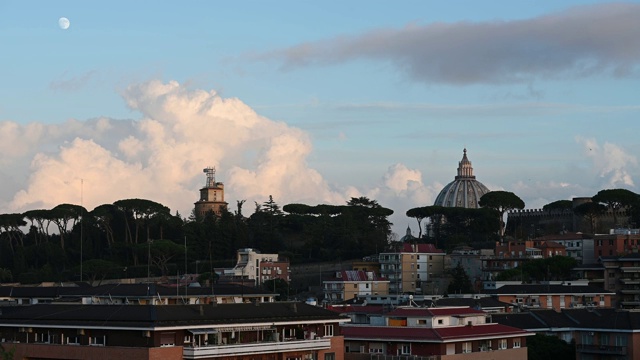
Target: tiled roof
420 248
423 334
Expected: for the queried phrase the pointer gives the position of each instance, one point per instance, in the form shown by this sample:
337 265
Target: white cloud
611 163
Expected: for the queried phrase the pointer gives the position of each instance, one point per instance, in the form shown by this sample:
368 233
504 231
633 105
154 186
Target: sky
316 102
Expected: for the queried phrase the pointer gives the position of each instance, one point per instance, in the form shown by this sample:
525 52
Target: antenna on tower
211 176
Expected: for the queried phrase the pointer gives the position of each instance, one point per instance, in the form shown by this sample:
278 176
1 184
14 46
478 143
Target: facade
622 276
211 196
553 295
508 255
617 243
471 261
412 267
577 245
598 334
464 191
349 284
438 333
270 331
256 268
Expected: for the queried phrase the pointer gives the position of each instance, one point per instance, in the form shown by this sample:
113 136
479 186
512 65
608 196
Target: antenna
211 176
81 224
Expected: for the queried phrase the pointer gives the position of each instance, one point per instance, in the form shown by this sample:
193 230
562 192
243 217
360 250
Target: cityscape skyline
316 103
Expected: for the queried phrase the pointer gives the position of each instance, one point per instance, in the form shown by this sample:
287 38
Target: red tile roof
420 248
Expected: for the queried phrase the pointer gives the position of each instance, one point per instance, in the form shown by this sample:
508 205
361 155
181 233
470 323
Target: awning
203 331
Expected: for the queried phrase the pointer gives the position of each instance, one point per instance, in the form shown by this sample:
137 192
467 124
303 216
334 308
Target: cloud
579 42
72 83
161 156
610 161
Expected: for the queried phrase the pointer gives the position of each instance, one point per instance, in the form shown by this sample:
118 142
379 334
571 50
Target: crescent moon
64 23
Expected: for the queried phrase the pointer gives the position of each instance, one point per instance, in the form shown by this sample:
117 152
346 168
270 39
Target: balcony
602 349
630 281
630 269
269 347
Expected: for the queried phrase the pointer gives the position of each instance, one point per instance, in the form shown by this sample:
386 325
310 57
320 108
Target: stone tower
211 196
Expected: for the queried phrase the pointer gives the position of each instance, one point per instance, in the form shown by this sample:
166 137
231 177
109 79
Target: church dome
465 191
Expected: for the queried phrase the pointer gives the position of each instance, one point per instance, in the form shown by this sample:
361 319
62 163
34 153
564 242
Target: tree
615 200
590 211
62 214
98 268
419 214
161 252
546 347
558 205
501 201
10 226
461 284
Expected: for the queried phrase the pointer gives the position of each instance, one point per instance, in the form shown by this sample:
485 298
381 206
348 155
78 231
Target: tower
211 196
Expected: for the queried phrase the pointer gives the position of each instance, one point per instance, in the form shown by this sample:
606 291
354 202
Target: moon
64 23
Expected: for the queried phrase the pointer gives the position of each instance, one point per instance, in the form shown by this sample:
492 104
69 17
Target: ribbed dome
465 191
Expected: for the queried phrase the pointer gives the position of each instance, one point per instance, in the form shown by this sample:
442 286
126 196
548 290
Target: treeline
140 237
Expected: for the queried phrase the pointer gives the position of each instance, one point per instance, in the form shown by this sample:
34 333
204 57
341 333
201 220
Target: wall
45 351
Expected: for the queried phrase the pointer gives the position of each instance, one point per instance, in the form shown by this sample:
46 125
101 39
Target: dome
465 191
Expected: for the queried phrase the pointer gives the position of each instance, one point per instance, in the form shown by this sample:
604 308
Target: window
97 341
440 322
168 339
73 340
502 344
422 322
405 349
604 339
328 330
485 345
330 356
466 347
516 343
621 340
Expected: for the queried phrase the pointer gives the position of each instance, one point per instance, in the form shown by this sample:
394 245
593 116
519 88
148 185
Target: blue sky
316 102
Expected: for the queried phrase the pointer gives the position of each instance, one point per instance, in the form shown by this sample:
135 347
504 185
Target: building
211 196
133 294
412 268
225 331
577 245
471 261
464 191
531 223
622 276
618 242
351 283
551 249
597 333
552 295
256 268
438 333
